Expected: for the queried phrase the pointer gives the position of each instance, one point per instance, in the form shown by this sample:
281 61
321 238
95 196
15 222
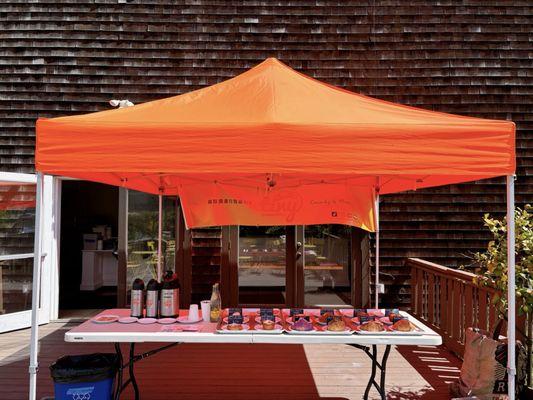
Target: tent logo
286 203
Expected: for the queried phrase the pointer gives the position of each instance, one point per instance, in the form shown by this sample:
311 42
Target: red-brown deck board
238 372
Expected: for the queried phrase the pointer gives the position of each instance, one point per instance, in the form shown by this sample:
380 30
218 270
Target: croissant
372 326
234 327
404 325
337 325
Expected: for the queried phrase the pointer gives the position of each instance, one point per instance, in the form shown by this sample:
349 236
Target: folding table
90 332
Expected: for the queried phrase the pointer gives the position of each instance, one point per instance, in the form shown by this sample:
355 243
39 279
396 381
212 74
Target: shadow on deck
241 371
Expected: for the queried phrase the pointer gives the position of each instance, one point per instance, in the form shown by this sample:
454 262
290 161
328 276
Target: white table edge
429 337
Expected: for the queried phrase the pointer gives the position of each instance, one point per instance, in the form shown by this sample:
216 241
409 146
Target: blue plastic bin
84 377
84 390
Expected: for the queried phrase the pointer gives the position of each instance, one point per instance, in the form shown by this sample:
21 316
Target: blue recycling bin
84 377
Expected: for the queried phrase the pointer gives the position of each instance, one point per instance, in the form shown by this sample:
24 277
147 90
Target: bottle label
151 304
136 303
169 302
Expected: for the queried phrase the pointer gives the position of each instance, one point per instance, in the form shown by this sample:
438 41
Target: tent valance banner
273 203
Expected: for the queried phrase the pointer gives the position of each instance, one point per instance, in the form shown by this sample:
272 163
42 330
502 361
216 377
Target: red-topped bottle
170 294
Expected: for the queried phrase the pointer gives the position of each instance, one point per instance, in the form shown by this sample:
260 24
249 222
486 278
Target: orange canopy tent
274 147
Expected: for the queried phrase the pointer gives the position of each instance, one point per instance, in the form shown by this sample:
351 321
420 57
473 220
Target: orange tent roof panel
274 120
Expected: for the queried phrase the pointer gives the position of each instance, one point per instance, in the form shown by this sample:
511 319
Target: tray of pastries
234 321
383 321
323 321
250 320
316 322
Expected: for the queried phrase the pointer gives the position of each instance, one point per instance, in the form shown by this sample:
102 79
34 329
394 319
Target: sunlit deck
241 371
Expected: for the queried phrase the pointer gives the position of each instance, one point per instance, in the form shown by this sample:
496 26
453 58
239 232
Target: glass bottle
216 304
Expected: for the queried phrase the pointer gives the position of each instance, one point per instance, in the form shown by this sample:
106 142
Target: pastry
268 325
403 325
372 326
302 325
234 327
336 324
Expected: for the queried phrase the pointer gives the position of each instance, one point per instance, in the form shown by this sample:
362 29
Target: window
143 209
17 219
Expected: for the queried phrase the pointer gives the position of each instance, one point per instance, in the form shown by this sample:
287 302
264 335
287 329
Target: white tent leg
159 239
376 288
511 290
37 262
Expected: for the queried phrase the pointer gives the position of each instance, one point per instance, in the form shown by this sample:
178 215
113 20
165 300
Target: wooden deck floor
239 372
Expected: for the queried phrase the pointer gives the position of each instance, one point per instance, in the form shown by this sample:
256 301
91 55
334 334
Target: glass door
17 228
142 229
292 266
327 265
263 256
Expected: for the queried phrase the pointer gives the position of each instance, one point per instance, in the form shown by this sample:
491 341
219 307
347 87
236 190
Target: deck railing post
414 290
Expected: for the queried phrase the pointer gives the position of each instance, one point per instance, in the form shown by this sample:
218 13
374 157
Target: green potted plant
491 267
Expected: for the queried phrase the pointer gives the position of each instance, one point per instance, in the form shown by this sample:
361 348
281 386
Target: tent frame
159 238
511 283
36 289
377 285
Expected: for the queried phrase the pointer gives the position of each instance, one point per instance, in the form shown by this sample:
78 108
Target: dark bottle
152 299
170 294
137 298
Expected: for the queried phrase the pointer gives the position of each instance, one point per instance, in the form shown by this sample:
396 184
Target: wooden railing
449 302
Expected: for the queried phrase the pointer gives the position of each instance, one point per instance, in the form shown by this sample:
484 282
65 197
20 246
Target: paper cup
193 312
206 309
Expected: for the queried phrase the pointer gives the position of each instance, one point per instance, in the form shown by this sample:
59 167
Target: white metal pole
35 295
511 290
376 288
159 238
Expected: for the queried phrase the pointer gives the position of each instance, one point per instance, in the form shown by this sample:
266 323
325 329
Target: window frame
22 319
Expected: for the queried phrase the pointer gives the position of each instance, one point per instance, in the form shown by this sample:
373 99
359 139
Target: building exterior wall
466 57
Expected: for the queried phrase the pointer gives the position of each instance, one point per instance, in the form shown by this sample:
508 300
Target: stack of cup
206 310
193 313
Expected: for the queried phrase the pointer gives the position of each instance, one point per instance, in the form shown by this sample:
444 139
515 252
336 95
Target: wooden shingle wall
471 57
